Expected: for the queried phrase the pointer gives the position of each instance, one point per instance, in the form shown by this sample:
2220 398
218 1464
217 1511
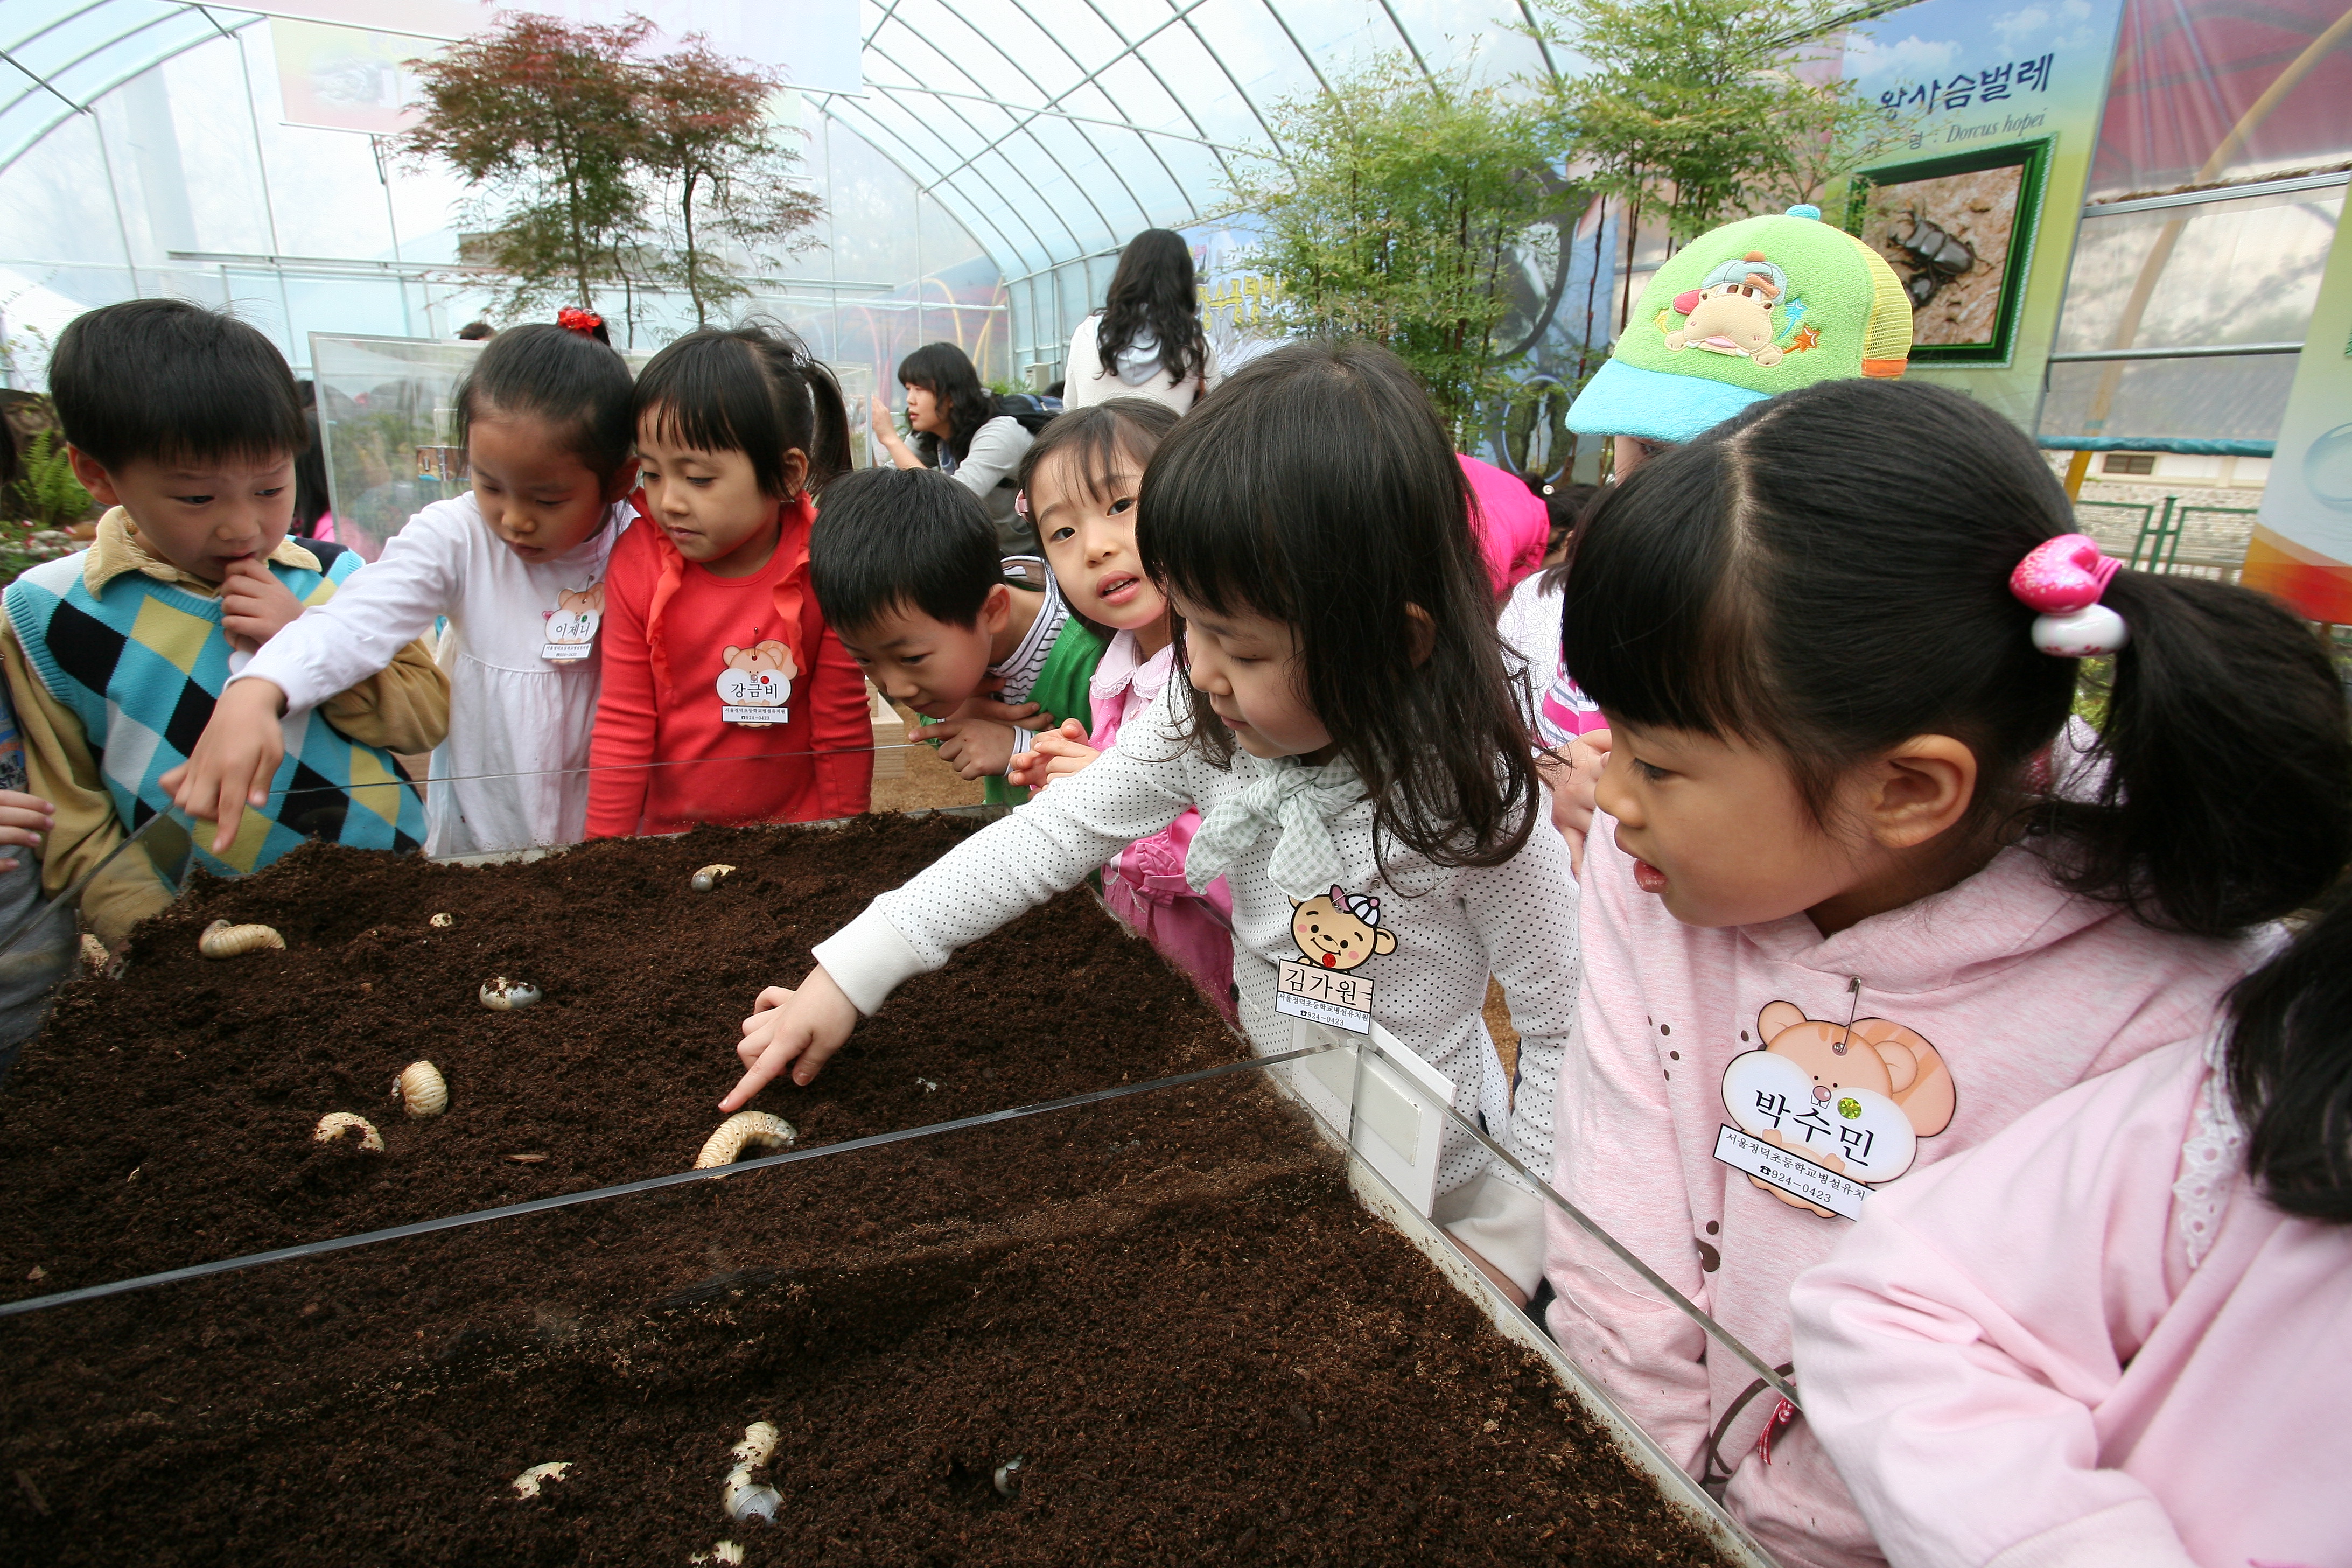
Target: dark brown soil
1168 1305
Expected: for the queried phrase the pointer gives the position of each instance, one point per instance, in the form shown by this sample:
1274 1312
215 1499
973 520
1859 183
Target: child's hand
254 605
25 819
976 747
1058 752
786 1027
234 758
1573 780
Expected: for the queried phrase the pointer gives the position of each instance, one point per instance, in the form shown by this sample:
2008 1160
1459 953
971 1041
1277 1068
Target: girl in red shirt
717 661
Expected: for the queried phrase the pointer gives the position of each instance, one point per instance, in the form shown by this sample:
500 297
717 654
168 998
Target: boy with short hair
905 565
185 423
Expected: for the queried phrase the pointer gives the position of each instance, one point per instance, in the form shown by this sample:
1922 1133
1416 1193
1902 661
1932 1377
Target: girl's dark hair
1248 507
1152 291
2290 1066
1102 438
311 501
574 382
947 372
1827 574
752 389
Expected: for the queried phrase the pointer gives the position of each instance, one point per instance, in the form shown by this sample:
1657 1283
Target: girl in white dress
517 568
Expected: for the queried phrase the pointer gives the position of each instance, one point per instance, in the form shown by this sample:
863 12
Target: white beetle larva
222 940
445 919
727 1552
709 877
526 1485
421 1090
759 1442
335 1123
747 1503
503 994
94 956
741 1131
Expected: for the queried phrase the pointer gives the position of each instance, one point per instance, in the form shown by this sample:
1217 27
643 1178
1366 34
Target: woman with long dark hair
957 430
1146 341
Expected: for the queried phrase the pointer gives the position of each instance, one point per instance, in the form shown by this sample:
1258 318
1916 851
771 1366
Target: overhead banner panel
1977 210
345 78
2302 548
815 44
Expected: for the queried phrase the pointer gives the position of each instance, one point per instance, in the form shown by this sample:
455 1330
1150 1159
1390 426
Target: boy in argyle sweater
185 423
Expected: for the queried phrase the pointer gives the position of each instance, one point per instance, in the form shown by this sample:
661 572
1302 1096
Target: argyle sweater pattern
141 665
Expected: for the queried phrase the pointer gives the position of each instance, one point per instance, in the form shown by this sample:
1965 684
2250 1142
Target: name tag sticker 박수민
1341 998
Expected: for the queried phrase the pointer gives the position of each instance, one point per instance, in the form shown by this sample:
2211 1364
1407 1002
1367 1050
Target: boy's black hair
1103 439
1253 504
895 538
947 372
752 389
165 381
2290 1067
1827 574
577 384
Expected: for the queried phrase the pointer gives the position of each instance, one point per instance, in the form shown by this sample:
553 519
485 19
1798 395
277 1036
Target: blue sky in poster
1974 73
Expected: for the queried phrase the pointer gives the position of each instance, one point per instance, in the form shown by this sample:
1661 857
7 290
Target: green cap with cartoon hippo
1745 311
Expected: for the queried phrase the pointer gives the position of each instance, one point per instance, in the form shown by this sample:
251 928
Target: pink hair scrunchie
2063 578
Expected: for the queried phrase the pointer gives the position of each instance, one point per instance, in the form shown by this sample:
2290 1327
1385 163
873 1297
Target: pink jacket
2091 1342
1713 1055
1513 525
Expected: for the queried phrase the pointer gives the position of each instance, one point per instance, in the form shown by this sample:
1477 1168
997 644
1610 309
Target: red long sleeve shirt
688 657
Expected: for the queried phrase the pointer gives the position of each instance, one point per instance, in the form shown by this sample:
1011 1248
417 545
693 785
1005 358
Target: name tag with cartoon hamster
757 684
571 625
1335 933
1825 1111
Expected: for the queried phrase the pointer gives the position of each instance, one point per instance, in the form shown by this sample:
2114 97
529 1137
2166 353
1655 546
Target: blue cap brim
1626 401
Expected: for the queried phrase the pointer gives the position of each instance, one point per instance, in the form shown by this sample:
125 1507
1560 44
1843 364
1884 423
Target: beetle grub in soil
1168 1306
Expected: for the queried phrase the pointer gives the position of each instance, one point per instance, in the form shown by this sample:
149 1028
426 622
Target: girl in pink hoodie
1845 912
2115 1334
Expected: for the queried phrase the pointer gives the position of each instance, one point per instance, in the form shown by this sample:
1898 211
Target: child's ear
1919 789
795 472
997 610
624 481
93 476
1420 635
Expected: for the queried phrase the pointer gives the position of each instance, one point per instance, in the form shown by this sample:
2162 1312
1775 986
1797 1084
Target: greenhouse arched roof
1051 129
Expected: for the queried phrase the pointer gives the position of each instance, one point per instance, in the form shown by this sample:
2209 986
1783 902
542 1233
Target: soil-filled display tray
1167 1307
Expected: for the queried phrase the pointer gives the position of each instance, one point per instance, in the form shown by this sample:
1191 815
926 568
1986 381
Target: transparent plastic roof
65 55
1057 128
1051 129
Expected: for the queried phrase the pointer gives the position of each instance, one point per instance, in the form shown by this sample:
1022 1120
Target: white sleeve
1083 381
995 454
1525 914
379 610
1010 867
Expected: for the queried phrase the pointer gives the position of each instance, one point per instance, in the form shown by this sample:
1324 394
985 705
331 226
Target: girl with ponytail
717 655
1859 896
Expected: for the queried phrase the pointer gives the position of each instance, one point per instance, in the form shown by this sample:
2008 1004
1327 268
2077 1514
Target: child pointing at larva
1847 910
516 565
1347 733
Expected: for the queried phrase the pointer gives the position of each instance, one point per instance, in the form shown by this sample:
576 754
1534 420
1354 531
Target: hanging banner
345 78
814 43
2302 548
1978 206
